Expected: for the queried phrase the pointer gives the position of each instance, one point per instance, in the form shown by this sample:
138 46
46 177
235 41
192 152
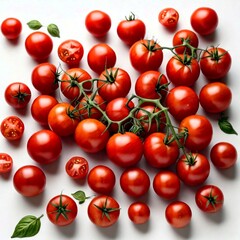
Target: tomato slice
168 17
6 163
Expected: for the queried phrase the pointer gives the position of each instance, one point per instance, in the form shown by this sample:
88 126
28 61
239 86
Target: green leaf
34 24
80 196
53 30
226 126
28 226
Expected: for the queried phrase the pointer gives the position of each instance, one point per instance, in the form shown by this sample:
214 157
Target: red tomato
215 63
98 23
77 167
100 57
11 28
101 179
182 101
12 128
209 198
44 146
158 153
166 184
204 20
215 97
62 210
139 212
39 45
193 168
17 95
91 135
125 150
131 30
223 155
135 182
70 52
103 211
168 17
146 55
178 214
29 180
6 163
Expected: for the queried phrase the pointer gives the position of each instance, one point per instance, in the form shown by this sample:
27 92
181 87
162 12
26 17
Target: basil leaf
28 226
53 30
34 24
226 126
80 196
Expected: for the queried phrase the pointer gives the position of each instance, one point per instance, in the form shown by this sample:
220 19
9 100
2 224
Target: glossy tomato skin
11 28
6 163
29 180
168 17
39 45
44 146
139 212
124 150
135 182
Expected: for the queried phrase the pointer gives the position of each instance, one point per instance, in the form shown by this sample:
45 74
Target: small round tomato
17 95
204 20
101 179
178 214
6 163
77 167
168 17
70 52
139 212
98 23
11 28
103 211
223 155
62 210
39 45
29 180
12 128
209 198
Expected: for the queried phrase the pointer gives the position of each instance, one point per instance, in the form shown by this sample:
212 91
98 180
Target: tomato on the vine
6 163
168 17
11 28
139 212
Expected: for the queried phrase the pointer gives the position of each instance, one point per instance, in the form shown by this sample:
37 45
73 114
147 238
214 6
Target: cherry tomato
11 28
17 95
12 128
139 212
168 17
29 180
6 163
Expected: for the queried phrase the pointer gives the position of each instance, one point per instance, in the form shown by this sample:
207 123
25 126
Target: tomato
166 184
39 45
77 167
103 211
223 155
182 101
17 95
215 97
209 198
124 149
135 182
62 210
98 23
184 36
199 132
113 83
193 168
139 212
101 179
146 55
91 135
100 57
178 214
63 119
41 107
215 63
6 163
11 28
44 146
168 17
131 30
70 52
12 128
204 20
29 180
158 152
151 84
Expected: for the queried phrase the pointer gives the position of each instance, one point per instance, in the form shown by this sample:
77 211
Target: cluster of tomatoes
101 116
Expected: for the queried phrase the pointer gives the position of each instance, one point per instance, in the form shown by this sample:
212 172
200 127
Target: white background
16 65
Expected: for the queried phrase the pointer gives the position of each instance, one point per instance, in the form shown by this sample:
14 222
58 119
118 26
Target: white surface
16 65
